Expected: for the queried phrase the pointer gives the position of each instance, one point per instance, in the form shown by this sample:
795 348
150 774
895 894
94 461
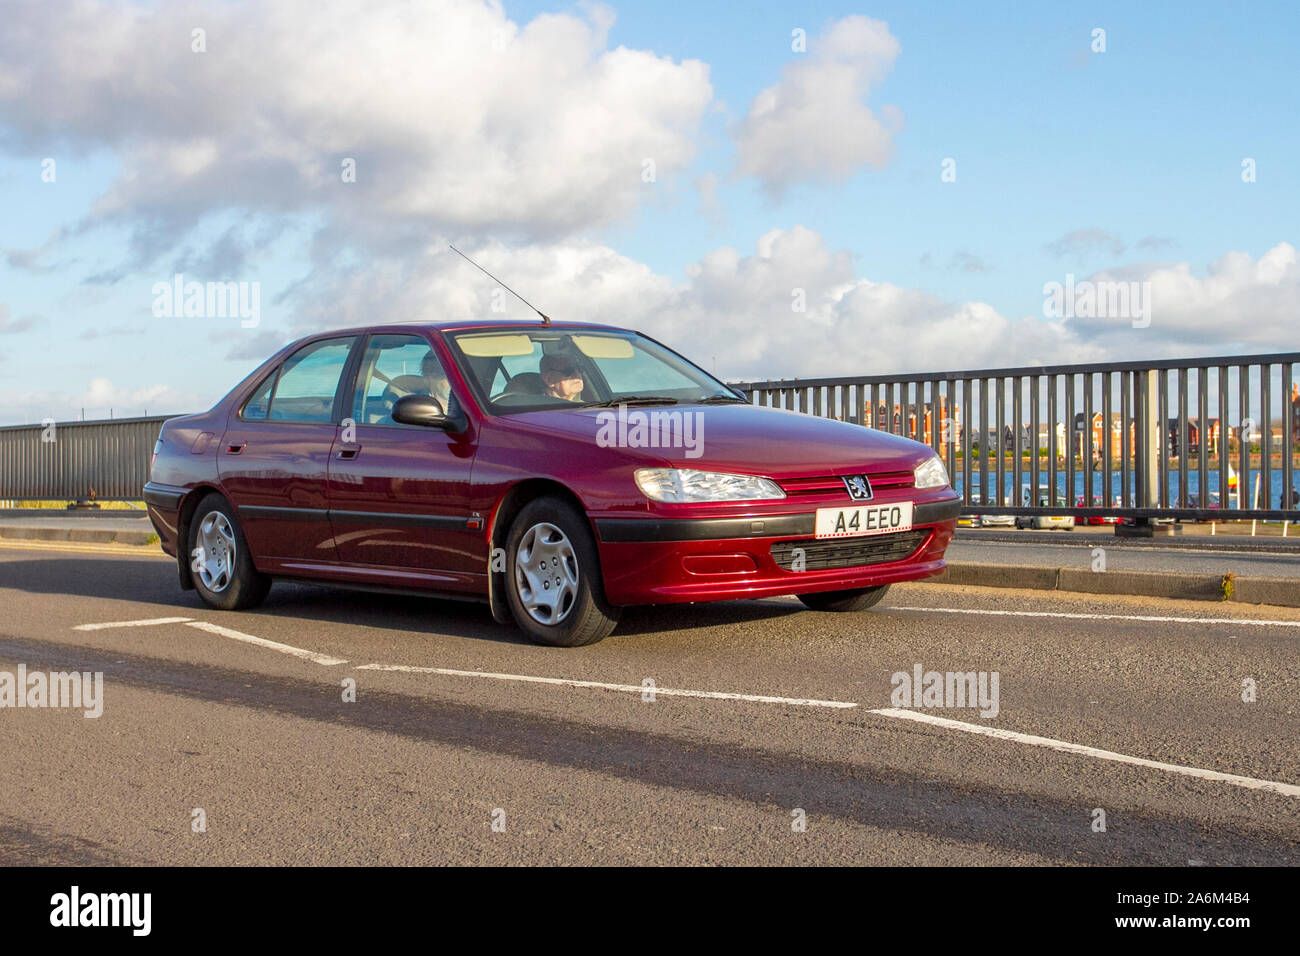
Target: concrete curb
82 535
1282 592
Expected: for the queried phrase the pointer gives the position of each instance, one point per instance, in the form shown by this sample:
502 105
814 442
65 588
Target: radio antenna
546 319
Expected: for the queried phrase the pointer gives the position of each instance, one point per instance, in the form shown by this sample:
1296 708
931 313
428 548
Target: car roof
460 325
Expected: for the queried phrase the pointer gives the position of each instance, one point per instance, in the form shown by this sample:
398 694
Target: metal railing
105 460
1190 438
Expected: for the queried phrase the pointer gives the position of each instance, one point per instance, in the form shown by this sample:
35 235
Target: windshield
527 369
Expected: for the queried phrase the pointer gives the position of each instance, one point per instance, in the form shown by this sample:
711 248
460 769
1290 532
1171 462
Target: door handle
348 454
236 448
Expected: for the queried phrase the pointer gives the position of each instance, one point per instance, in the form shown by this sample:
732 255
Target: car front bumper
675 560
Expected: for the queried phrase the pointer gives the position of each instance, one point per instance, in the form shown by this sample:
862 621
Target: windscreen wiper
634 400
722 400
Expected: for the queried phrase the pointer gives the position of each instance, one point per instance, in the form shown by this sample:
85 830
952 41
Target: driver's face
564 383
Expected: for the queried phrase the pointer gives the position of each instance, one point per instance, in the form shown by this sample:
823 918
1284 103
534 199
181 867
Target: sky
776 190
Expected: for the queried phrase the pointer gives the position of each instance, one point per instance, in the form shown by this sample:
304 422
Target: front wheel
856 600
220 564
553 583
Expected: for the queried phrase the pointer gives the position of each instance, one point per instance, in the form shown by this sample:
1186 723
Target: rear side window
308 380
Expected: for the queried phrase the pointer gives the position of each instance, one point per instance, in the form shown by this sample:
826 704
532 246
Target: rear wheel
553 582
858 599
220 564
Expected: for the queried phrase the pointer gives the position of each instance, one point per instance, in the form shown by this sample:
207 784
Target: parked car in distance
558 472
1045 522
1097 502
985 520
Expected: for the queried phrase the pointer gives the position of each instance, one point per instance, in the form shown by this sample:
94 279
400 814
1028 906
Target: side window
304 391
513 365
259 403
393 367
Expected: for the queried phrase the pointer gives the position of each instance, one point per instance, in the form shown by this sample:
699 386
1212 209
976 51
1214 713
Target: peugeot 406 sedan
557 471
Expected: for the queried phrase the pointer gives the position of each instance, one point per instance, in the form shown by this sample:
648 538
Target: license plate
866 519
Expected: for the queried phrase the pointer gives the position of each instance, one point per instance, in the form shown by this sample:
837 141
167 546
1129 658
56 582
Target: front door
399 493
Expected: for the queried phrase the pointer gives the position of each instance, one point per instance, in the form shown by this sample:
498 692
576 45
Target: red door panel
399 500
275 473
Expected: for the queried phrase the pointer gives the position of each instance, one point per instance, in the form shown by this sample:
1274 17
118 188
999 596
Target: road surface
768 736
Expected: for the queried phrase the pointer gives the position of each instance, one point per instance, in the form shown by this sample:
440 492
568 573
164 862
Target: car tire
553 582
858 599
223 574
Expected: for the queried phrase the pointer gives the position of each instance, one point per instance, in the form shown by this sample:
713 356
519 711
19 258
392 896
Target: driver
435 380
562 377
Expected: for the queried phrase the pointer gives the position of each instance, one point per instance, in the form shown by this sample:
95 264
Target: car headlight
931 474
684 484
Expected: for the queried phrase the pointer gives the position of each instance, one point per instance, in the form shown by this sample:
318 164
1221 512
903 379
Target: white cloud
10 326
1241 304
1083 241
457 117
814 125
738 307
100 398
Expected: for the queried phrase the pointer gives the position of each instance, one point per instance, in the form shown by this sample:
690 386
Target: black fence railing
106 460
1191 438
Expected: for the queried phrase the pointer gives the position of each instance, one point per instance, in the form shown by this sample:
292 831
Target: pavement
746 732
94 527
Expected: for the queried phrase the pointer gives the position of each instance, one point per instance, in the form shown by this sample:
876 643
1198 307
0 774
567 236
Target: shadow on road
154 582
852 788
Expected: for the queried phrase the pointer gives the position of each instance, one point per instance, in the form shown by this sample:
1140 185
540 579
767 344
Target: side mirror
420 410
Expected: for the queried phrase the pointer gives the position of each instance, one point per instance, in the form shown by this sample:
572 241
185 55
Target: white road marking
1244 621
601 685
1250 783
269 645
148 623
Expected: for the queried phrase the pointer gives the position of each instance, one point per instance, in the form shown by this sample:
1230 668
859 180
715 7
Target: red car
1079 502
557 471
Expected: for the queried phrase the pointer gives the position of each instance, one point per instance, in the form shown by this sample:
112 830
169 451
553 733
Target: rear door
399 494
274 457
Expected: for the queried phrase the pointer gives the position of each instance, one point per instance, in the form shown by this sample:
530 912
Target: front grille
848 552
834 485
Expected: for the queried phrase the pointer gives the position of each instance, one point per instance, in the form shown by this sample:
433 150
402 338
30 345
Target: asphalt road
417 768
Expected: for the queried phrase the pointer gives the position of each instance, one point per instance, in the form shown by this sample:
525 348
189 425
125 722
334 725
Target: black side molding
445 522
623 530
933 512
163 497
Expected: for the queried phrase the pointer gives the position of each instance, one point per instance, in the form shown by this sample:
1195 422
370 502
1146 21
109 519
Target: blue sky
1139 148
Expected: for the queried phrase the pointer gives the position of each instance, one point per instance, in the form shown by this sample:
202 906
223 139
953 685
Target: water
1012 497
